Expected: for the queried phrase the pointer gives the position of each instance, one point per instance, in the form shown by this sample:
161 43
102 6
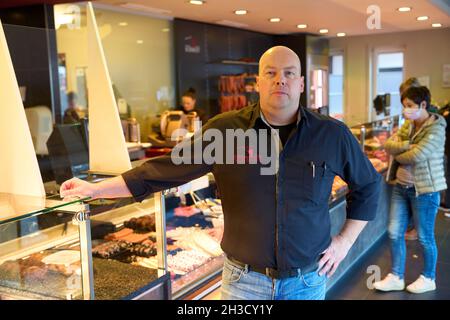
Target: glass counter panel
194 233
15 207
124 245
41 262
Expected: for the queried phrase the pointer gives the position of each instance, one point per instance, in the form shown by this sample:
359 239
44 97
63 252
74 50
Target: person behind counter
73 111
418 170
277 234
188 104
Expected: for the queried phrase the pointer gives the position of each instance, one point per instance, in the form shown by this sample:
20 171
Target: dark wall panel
190 56
201 70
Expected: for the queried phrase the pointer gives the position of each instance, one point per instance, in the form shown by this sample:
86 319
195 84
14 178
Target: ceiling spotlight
422 18
323 31
140 41
240 12
197 2
404 9
302 26
436 25
123 24
274 19
165 30
341 34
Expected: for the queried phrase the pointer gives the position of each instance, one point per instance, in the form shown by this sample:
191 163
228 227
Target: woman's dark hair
418 94
410 82
190 93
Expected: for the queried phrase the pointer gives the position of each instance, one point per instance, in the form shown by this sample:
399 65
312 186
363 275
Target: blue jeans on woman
423 209
239 283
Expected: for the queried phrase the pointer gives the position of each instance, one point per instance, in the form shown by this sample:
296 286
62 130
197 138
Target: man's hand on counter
77 188
110 188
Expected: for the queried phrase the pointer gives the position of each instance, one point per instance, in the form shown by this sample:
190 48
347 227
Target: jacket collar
302 115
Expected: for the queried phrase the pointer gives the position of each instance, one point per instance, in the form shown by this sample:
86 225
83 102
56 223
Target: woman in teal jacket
418 172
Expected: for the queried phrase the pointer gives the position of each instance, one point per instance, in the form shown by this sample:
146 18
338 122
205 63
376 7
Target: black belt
278 274
403 186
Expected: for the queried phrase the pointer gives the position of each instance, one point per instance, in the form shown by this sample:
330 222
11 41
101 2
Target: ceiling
349 16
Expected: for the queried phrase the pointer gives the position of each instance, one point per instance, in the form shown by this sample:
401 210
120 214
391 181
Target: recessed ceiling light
240 12
404 9
341 34
123 24
274 19
323 30
436 25
422 18
302 26
140 41
165 30
197 2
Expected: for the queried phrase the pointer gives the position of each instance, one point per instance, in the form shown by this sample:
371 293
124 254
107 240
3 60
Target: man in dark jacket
277 224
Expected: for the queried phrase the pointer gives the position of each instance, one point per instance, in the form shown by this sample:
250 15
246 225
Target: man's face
280 82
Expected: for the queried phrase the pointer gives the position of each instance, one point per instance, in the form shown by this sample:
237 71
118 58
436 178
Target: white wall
425 52
138 71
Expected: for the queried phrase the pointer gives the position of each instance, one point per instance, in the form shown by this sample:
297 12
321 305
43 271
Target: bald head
279 53
280 83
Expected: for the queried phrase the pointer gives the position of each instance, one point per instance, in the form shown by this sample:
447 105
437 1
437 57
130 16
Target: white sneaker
390 283
421 285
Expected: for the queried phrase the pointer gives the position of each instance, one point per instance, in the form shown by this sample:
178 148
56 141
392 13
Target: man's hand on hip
334 255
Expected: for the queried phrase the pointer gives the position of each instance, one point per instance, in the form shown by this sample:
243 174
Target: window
336 93
389 76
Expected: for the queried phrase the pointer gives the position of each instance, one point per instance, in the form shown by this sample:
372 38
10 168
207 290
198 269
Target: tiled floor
353 286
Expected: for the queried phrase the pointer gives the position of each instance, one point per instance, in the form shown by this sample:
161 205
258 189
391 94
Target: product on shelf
144 250
109 249
381 155
339 186
116 280
186 261
50 279
378 164
141 224
119 234
35 273
196 239
151 262
136 237
186 211
373 143
172 247
236 91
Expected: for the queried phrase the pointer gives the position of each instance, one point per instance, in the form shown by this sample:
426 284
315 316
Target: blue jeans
240 284
423 209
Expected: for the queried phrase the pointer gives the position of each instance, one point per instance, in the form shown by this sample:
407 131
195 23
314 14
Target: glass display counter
53 249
